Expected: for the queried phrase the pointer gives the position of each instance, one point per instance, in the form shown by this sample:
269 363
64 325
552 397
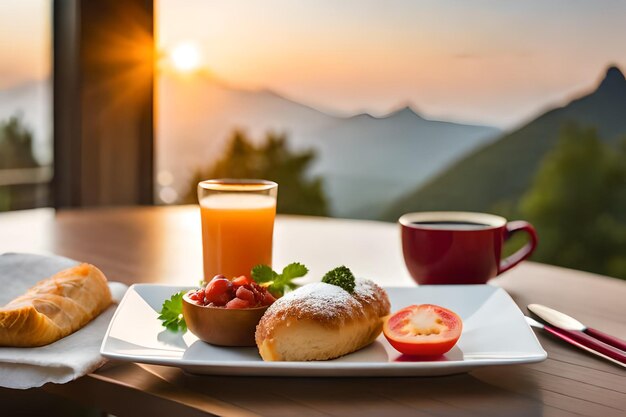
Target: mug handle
524 252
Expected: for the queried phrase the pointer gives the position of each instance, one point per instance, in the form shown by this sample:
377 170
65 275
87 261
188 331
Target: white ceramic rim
491 220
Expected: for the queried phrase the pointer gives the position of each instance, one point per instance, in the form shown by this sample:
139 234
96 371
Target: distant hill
366 161
369 161
198 114
502 171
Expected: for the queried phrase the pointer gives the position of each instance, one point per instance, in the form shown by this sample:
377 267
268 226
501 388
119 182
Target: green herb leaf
341 277
294 270
276 283
172 313
263 273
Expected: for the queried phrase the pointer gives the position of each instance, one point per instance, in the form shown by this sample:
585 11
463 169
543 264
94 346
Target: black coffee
452 225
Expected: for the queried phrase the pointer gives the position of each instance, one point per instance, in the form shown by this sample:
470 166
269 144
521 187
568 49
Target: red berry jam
240 292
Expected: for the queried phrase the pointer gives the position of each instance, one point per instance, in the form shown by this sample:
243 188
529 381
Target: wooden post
103 102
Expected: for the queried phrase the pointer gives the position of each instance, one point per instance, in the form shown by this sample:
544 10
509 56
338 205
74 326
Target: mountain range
366 161
369 161
500 172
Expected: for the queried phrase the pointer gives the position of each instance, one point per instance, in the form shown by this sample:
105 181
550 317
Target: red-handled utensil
590 345
563 321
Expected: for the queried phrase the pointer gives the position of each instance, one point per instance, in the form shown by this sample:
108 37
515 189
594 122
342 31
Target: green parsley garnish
277 283
341 277
172 313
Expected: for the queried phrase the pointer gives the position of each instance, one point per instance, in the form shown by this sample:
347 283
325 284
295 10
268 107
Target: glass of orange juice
237 225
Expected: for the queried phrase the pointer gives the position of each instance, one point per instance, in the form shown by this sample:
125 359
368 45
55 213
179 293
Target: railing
23 188
24 176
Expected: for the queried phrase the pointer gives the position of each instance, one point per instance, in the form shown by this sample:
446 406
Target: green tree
16 151
273 161
16 145
577 202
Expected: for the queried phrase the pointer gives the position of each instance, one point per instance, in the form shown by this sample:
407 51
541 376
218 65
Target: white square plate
494 333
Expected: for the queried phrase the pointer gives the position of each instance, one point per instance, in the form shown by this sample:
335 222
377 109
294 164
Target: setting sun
186 57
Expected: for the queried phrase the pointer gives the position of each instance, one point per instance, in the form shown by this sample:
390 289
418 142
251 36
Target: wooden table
156 244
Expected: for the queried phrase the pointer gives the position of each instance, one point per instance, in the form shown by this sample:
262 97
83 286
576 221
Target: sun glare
186 57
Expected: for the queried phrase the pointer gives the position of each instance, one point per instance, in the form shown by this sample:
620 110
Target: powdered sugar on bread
319 301
325 302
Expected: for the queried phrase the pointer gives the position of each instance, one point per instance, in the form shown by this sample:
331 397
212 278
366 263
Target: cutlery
618 359
563 321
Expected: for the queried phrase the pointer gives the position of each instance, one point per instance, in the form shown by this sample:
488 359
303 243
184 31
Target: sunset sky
495 62
25 41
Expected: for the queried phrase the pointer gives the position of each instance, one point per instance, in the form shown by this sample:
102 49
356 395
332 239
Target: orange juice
237 231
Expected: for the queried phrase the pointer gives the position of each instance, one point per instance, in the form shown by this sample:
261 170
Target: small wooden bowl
222 326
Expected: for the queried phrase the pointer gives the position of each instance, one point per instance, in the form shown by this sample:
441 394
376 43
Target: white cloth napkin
65 360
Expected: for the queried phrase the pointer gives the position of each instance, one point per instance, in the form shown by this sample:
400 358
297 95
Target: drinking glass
237 225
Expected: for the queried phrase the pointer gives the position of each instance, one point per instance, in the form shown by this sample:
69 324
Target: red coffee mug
450 247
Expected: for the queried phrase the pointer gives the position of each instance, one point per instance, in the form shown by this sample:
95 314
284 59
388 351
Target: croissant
321 321
54 307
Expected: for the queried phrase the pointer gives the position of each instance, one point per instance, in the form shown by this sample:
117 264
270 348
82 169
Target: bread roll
54 307
321 321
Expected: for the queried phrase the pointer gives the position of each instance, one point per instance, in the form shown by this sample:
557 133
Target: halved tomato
423 330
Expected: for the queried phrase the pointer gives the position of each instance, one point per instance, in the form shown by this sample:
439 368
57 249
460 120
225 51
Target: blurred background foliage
16 158
577 202
272 160
16 145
